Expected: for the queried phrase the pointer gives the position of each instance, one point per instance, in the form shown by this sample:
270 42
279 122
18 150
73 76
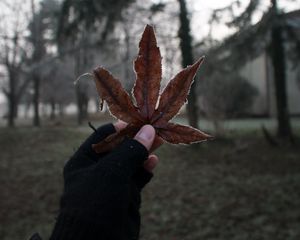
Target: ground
233 188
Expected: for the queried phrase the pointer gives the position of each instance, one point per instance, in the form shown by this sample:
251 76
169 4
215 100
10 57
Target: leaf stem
81 76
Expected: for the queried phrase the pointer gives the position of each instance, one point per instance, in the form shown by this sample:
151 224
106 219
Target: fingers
146 136
158 141
124 160
119 125
144 174
100 134
151 163
85 155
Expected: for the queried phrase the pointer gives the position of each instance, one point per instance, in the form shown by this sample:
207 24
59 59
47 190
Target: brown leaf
118 100
148 72
116 138
175 133
146 93
175 94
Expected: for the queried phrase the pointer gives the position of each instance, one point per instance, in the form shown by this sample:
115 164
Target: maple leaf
146 94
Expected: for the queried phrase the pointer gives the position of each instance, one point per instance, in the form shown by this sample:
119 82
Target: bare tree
37 31
57 86
89 28
42 21
13 55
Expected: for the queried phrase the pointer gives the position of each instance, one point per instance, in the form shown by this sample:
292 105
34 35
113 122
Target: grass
236 188
30 176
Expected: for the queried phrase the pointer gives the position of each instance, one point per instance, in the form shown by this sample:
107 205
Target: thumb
146 136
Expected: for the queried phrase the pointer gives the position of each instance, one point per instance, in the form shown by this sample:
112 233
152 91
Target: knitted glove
101 197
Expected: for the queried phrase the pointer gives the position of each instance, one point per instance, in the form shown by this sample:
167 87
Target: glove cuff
69 227
75 226
35 236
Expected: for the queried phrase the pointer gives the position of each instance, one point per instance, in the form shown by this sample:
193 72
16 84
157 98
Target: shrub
225 96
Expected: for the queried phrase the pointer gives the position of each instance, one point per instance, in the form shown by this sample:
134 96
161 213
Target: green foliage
251 40
245 18
89 14
42 27
241 21
157 7
227 95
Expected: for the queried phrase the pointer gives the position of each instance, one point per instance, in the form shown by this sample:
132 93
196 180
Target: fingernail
151 163
146 133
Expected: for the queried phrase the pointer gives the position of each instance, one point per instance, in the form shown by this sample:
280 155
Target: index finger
158 141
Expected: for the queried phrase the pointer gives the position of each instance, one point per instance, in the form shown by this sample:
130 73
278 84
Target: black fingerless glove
101 197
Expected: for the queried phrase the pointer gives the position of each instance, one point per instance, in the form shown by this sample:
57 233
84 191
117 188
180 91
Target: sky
201 10
204 5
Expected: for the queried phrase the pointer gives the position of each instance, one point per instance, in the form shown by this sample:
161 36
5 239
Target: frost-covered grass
235 188
244 124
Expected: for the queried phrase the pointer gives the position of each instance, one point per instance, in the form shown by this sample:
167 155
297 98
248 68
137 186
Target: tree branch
5 91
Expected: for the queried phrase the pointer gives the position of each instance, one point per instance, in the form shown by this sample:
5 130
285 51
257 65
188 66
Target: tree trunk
36 100
27 109
187 59
11 101
53 108
11 112
81 104
85 102
81 89
96 101
61 110
279 66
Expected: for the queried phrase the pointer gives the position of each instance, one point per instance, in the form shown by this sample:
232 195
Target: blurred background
245 184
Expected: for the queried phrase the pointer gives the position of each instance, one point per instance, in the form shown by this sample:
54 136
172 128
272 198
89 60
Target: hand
152 160
101 196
